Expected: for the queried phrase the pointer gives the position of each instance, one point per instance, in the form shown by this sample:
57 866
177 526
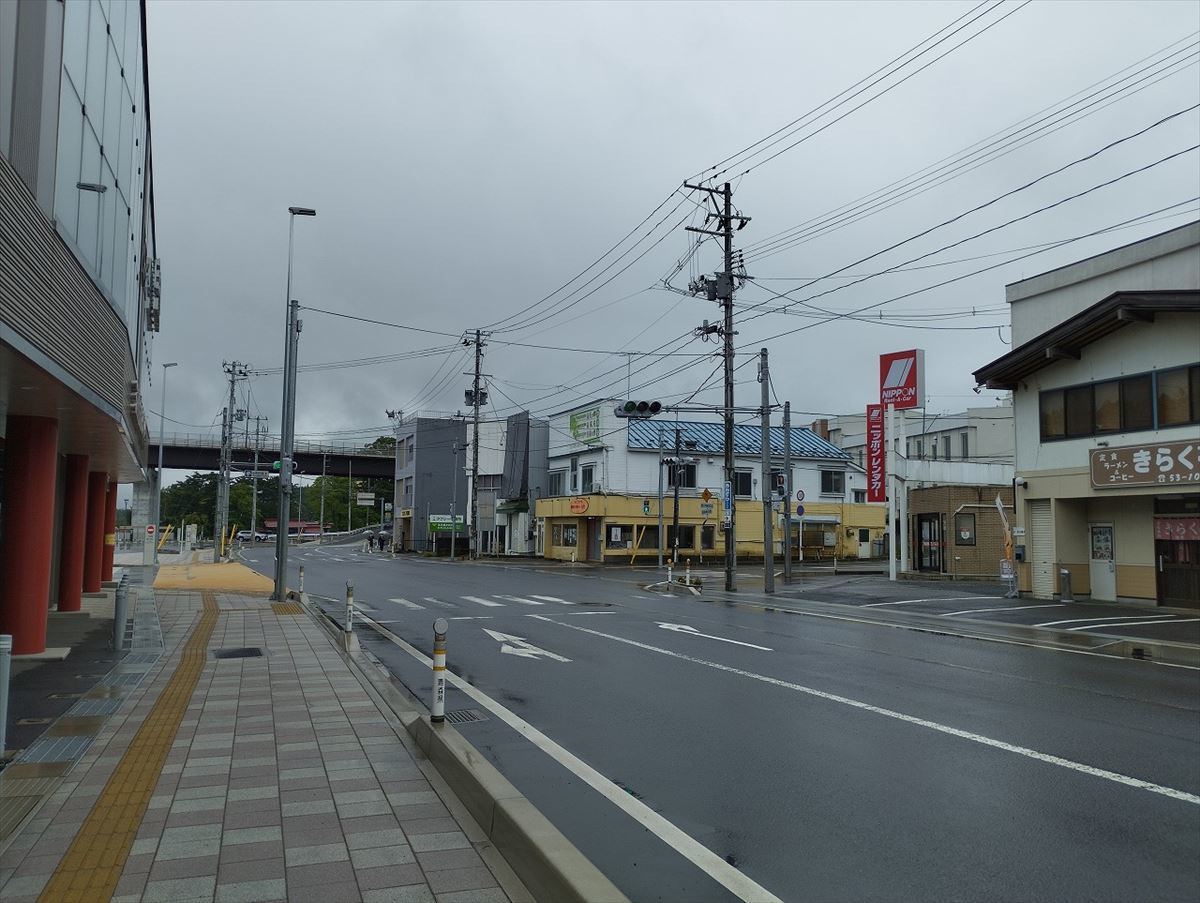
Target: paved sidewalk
251 777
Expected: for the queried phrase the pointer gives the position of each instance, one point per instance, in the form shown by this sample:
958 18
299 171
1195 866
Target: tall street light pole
288 420
162 421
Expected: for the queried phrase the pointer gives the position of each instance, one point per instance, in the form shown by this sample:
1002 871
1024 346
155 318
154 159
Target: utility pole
476 398
787 492
219 514
661 538
768 490
721 289
321 529
397 418
350 496
454 503
235 372
675 467
254 480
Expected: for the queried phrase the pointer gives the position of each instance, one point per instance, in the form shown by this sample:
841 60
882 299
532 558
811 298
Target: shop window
687 536
556 535
574 475
557 480
1119 405
743 483
685 473
649 538
1137 411
833 482
708 536
570 535
1107 402
1177 402
619 536
964 529
1054 425
589 478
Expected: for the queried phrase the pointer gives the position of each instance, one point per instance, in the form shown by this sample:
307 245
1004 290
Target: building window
556 535
1178 395
619 536
933 443
649 538
964 529
920 449
570 533
589 478
1078 402
574 475
946 446
860 496
687 536
1121 405
1137 411
708 536
743 483
686 474
965 439
557 479
833 482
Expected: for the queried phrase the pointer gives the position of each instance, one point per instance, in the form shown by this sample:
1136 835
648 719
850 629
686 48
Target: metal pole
350 496
254 484
661 537
322 527
454 503
301 585
437 712
787 490
675 513
475 452
285 449
730 475
902 489
5 664
890 439
764 377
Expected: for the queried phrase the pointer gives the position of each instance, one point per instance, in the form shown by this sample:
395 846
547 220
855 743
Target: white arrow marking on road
515 645
692 631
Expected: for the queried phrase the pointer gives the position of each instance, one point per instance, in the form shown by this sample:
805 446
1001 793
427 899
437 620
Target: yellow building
624 529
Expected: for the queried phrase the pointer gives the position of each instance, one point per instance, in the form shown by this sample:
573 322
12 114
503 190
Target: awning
816 519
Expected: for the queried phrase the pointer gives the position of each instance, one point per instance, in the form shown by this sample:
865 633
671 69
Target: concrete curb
551 867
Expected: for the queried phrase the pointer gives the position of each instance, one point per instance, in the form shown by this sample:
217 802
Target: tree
191 501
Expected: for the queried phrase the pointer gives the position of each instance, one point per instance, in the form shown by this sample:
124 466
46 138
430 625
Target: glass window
708 536
1107 405
124 151
110 202
685 473
589 478
75 39
946 446
1174 405
1194 382
570 534
743 483
97 58
556 535
920 449
649 538
133 43
1137 412
833 482
619 536
1079 411
90 202
70 153
114 100
964 529
860 496
687 536
116 26
965 440
556 482
1054 425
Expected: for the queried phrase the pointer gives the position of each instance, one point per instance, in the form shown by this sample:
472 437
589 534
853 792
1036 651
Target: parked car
248 536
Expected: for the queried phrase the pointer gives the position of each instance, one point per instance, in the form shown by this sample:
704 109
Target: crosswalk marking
407 604
519 599
488 602
440 602
551 599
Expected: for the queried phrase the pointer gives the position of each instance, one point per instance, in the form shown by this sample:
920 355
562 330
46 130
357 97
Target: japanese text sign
876 455
1153 464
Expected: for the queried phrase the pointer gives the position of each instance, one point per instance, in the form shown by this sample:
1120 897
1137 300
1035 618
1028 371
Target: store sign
902 378
585 426
876 455
1178 529
579 505
365 499
1159 464
444 523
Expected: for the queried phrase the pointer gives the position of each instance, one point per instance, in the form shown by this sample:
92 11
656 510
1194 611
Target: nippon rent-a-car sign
902 378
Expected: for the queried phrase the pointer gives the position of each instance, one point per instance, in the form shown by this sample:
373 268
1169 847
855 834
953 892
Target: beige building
1105 376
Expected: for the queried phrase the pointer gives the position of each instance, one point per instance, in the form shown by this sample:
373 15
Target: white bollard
688 573
670 575
349 606
437 713
301 578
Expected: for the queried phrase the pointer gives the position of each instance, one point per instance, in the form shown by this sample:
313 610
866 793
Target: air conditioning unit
597 488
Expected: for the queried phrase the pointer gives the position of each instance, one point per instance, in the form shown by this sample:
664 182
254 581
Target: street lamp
162 421
288 421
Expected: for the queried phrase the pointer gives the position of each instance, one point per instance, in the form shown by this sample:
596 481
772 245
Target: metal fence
206 440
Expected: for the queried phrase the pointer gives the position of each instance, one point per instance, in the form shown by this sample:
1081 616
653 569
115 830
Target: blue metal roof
747 439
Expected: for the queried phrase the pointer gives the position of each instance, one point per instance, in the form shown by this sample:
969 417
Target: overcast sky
466 160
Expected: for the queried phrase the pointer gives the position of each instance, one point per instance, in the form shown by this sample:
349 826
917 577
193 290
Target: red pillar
30 469
110 532
93 549
70 567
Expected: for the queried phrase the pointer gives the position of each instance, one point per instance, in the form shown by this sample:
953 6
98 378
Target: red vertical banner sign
876 455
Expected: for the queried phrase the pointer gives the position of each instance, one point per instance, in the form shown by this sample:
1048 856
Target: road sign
706 495
799 511
366 499
387 506
150 528
799 495
258 474
706 509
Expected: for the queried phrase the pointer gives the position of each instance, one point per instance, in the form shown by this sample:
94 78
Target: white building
1105 375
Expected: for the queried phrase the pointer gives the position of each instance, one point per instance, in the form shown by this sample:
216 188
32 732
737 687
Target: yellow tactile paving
91 867
229 577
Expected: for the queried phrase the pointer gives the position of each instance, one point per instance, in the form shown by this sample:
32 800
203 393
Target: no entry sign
150 528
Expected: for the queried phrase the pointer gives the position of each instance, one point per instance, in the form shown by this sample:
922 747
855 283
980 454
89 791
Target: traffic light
645 506
780 479
638 409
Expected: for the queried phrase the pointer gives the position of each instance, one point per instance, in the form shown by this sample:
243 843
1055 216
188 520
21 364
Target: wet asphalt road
840 761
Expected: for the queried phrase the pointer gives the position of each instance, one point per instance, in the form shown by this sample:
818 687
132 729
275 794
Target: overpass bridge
201 451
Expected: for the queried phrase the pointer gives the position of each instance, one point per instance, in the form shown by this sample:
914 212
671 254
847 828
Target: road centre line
1114 618
1136 623
1048 758
729 877
972 611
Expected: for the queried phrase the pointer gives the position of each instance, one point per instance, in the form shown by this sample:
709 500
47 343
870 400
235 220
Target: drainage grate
241 652
465 716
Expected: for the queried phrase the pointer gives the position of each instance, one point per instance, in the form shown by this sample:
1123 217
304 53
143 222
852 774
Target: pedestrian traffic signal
638 409
645 506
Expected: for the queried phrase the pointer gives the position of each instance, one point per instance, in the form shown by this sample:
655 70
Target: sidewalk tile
252 891
485 895
320 873
376 857
180 889
328 852
373 879
250 870
413 893
460 879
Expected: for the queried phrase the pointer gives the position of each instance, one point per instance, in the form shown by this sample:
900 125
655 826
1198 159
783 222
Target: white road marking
1135 623
408 604
466 618
636 596
570 614
1077 620
519 599
971 611
482 601
552 599
519 646
439 602
882 604
702 857
692 631
941 599
1080 767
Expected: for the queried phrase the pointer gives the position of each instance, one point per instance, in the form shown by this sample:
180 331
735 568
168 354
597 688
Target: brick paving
283 781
